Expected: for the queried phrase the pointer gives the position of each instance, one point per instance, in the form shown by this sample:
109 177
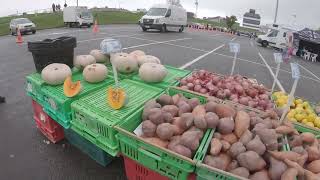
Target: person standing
53 7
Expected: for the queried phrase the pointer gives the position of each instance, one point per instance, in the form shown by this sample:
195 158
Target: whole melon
148 59
56 73
81 61
124 62
152 72
95 73
99 56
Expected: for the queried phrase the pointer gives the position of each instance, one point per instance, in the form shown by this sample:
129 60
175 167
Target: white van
276 37
77 16
164 17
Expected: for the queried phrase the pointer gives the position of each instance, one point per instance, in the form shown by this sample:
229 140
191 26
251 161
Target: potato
303 159
155 115
285 155
212 120
210 106
224 111
226 125
236 149
258 127
183 122
216 147
270 114
177 130
187 119
276 168
295 165
296 141
148 128
251 160
310 176
165 100
167 117
190 139
200 122
307 137
230 138
156 141
314 166
199 133
174 140
147 108
172 109
289 174
241 171
299 150
221 161
225 145
180 149
184 108
193 102
313 153
246 137
285 130
269 138
151 104
242 123
275 124
260 175
233 165
176 98
165 131
255 120
199 111
217 135
256 145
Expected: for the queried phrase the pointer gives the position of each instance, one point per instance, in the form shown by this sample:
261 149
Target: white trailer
77 16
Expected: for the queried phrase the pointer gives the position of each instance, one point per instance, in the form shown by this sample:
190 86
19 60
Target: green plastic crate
95 120
87 147
172 78
58 106
161 160
33 86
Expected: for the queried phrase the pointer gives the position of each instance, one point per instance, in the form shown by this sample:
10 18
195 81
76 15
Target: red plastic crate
136 171
54 136
44 118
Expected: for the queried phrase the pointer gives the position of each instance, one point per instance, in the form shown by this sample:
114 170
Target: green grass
54 20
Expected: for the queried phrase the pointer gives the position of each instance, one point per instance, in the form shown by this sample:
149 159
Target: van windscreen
86 14
157 11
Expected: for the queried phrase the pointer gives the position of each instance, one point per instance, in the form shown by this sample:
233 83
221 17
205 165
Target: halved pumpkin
116 97
70 88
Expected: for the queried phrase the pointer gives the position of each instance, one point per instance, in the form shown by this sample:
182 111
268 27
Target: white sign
29 87
278 57
108 46
234 47
295 70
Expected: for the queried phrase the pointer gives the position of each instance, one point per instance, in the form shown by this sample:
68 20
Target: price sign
295 70
278 58
108 46
234 47
29 87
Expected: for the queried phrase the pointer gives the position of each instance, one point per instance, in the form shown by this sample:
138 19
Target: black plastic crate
48 51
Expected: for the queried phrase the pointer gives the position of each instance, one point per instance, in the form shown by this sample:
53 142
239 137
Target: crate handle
149 154
89 136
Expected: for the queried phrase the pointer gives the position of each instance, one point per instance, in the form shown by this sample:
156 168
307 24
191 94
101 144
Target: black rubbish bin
48 51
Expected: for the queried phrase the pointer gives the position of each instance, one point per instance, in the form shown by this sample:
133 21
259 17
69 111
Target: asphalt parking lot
25 154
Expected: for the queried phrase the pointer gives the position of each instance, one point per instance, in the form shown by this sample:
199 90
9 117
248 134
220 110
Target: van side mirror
168 14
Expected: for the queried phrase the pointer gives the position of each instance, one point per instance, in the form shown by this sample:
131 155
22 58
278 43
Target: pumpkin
95 73
81 61
137 53
148 59
117 98
124 62
70 88
152 72
99 56
55 73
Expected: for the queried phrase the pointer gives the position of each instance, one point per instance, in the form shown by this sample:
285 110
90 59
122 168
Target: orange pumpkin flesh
116 98
70 88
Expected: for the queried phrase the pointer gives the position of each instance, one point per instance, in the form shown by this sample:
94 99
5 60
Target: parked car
77 16
164 17
23 24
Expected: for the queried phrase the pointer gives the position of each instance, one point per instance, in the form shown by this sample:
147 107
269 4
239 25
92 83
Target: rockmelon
55 73
81 61
95 73
124 62
70 88
99 56
148 59
152 72
137 53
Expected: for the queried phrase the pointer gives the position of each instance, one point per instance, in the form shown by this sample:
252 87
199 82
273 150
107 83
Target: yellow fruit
298 101
290 115
316 122
299 117
311 117
304 121
310 124
293 120
309 111
305 104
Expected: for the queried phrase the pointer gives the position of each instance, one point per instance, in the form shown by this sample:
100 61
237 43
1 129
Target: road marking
309 72
158 42
111 36
233 39
200 57
251 43
271 72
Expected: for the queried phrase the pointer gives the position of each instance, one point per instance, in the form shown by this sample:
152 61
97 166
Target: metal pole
77 3
276 13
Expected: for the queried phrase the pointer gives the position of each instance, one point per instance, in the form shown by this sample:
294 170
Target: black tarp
309 35
307 39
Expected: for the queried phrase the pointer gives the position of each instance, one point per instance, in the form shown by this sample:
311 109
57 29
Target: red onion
239 89
234 96
202 74
197 88
221 94
190 86
252 104
183 82
190 79
215 80
229 86
214 90
263 103
264 97
197 81
203 91
270 105
245 85
236 100
252 92
227 92
244 101
209 86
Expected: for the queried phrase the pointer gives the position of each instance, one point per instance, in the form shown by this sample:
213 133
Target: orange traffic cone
19 38
95 27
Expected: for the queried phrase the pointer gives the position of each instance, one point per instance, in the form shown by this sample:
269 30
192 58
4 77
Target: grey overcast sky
305 11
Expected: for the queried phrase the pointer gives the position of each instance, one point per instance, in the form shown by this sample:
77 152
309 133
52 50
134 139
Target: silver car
24 24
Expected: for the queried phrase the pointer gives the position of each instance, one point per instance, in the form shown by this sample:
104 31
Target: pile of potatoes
177 123
250 145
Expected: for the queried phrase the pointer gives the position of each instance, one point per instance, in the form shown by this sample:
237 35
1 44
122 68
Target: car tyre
33 32
144 29
181 29
164 28
264 43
